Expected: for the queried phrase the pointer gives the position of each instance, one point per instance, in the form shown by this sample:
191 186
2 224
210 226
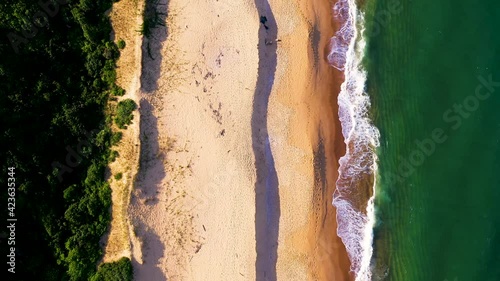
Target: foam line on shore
355 218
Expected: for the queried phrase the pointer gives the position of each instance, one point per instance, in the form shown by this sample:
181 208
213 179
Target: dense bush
55 84
120 270
113 155
116 138
117 91
124 113
120 44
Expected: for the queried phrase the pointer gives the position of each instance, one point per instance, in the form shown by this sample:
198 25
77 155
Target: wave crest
354 195
339 44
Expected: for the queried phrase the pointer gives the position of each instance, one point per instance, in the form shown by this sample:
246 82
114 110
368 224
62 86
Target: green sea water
433 70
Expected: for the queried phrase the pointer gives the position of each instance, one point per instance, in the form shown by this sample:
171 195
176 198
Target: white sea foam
355 225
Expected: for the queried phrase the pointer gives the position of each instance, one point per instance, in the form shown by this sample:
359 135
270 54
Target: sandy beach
238 142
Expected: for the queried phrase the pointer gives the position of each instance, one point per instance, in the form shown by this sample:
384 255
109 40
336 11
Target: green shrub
71 193
117 91
110 51
116 138
118 176
121 44
102 138
120 270
113 155
108 73
124 113
87 219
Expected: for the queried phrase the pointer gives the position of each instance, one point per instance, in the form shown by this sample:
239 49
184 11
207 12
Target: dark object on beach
270 42
263 20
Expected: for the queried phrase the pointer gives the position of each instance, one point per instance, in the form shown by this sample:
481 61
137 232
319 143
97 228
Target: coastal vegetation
121 44
120 270
116 138
57 75
124 113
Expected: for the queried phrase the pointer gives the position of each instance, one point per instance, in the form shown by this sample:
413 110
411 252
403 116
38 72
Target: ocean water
418 194
432 72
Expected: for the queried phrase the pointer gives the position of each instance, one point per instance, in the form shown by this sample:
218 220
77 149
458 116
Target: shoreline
330 146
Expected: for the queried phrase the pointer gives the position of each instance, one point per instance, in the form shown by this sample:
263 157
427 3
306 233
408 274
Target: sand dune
126 17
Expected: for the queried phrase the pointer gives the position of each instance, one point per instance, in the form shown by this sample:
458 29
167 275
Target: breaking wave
354 195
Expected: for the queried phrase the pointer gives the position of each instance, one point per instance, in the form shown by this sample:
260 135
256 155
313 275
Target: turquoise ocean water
433 77
418 194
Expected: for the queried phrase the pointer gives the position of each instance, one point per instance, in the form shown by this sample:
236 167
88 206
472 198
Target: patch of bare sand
194 210
126 17
193 206
303 119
